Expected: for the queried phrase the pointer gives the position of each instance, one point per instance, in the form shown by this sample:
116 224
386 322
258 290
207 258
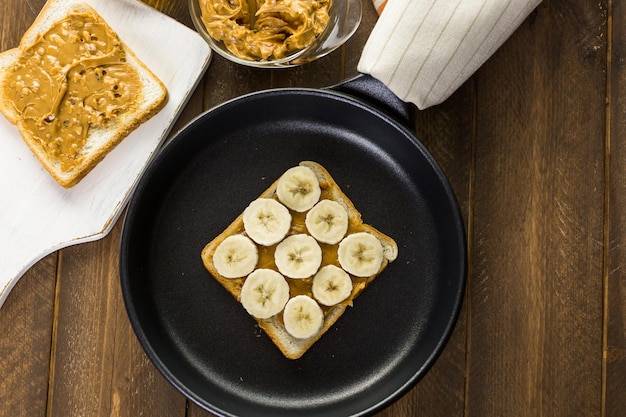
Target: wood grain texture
536 285
98 367
351 51
178 9
25 346
615 284
534 146
15 18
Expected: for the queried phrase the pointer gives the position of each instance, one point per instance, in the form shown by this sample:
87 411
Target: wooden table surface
534 145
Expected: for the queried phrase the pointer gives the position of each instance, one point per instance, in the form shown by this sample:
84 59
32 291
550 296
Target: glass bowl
344 19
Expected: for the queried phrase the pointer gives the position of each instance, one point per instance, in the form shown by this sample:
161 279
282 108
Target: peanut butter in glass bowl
285 32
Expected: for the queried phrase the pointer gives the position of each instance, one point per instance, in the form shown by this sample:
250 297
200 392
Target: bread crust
290 346
100 141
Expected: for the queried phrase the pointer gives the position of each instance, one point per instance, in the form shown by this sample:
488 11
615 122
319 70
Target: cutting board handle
16 260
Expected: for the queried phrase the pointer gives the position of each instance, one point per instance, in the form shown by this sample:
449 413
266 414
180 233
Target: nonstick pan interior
200 337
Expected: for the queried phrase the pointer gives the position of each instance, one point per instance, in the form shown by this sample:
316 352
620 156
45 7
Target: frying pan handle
374 92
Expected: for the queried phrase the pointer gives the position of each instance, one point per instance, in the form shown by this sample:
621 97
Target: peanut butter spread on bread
297 270
281 28
72 79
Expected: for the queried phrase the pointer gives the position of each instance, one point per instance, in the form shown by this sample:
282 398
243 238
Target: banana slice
360 254
298 256
327 221
235 257
266 221
331 285
303 317
264 293
298 188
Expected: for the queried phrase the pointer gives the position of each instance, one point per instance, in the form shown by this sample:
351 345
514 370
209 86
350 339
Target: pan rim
458 295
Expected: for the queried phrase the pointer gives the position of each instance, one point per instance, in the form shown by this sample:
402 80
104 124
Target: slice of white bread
100 140
290 346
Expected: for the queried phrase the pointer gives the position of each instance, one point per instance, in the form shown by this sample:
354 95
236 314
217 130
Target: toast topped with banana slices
297 256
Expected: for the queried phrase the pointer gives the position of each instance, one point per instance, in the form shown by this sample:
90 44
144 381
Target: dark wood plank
197 411
15 17
98 367
26 323
178 9
615 284
536 287
351 51
320 73
225 80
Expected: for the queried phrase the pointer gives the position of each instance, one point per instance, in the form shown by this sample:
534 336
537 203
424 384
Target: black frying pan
200 337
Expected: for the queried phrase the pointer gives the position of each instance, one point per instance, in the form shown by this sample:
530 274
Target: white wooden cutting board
38 216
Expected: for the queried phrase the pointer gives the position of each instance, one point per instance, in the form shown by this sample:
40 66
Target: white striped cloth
423 50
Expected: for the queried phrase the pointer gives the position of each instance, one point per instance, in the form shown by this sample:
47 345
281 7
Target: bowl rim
219 48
